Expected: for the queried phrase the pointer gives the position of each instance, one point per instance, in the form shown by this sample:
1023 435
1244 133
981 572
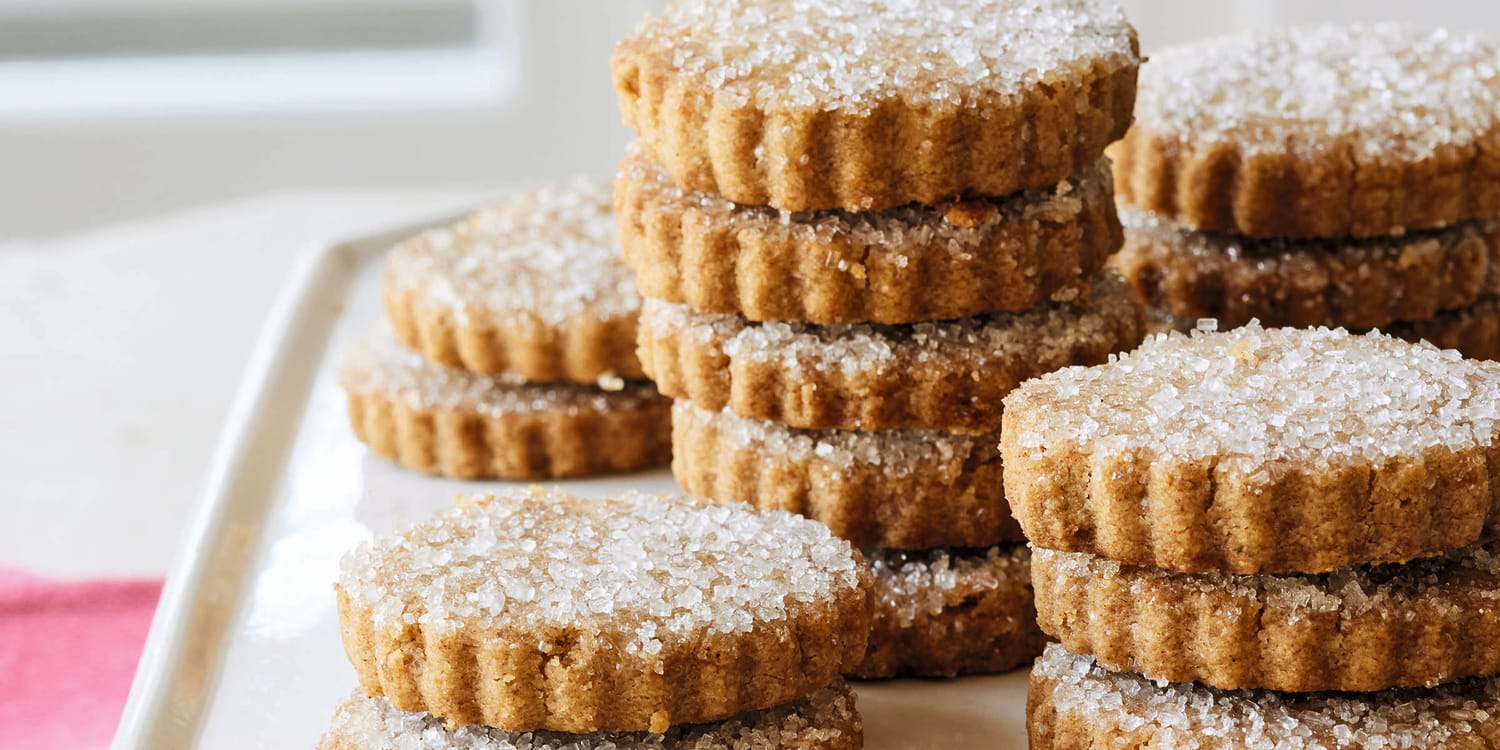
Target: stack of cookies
858 225
512 351
1340 176
1263 538
538 620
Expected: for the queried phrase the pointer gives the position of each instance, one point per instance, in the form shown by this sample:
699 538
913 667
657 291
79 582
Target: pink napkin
67 653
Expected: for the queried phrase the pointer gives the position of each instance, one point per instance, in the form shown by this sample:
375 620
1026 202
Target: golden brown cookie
868 105
1354 283
1362 629
901 489
1073 704
1473 330
825 720
1317 132
900 265
536 609
531 286
946 376
941 613
454 423
1258 451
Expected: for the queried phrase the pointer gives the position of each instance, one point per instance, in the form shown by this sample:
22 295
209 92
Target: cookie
1258 451
531 286
1361 629
1317 132
1073 704
900 265
901 489
825 720
942 613
946 376
1353 283
1474 330
870 105
536 609
454 423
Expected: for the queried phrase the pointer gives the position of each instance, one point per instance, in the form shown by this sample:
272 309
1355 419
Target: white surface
247 628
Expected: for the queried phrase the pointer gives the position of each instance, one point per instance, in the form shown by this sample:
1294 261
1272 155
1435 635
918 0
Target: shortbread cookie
532 286
1362 629
537 609
902 489
825 720
947 376
941 613
1474 330
900 265
868 105
1073 704
1258 451
454 423
1280 282
1320 132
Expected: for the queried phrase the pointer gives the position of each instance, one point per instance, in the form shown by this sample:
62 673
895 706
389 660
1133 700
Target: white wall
63 174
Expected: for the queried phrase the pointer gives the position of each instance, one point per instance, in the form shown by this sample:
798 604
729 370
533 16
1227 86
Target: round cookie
1362 629
1258 451
825 720
900 265
946 376
454 423
536 609
1073 704
1317 132
901 489
1474 330
868 105
531 286
1354 283
942 613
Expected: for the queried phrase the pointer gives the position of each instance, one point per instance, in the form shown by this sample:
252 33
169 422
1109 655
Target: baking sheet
244 651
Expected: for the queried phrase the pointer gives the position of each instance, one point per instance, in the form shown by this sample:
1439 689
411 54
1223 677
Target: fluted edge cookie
531 286
1363 629
945 376
1317 132
824 105
1280 282
454 423
534 610
942 613
1258 451
901 489
825 720
1474 330
1074 704
901 265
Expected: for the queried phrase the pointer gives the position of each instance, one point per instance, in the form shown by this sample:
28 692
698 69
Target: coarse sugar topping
909 584
371 723
1450 583
958 229
999 338
1391 91
896 453
544 256
378 364
850 55
1189 716
1254 396
642 571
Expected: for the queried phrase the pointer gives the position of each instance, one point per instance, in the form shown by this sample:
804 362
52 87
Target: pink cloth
67 654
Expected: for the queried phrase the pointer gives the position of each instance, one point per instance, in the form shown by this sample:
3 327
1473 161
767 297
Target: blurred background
114 109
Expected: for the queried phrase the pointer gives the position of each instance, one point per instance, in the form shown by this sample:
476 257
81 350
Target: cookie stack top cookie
865 106
1328 131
